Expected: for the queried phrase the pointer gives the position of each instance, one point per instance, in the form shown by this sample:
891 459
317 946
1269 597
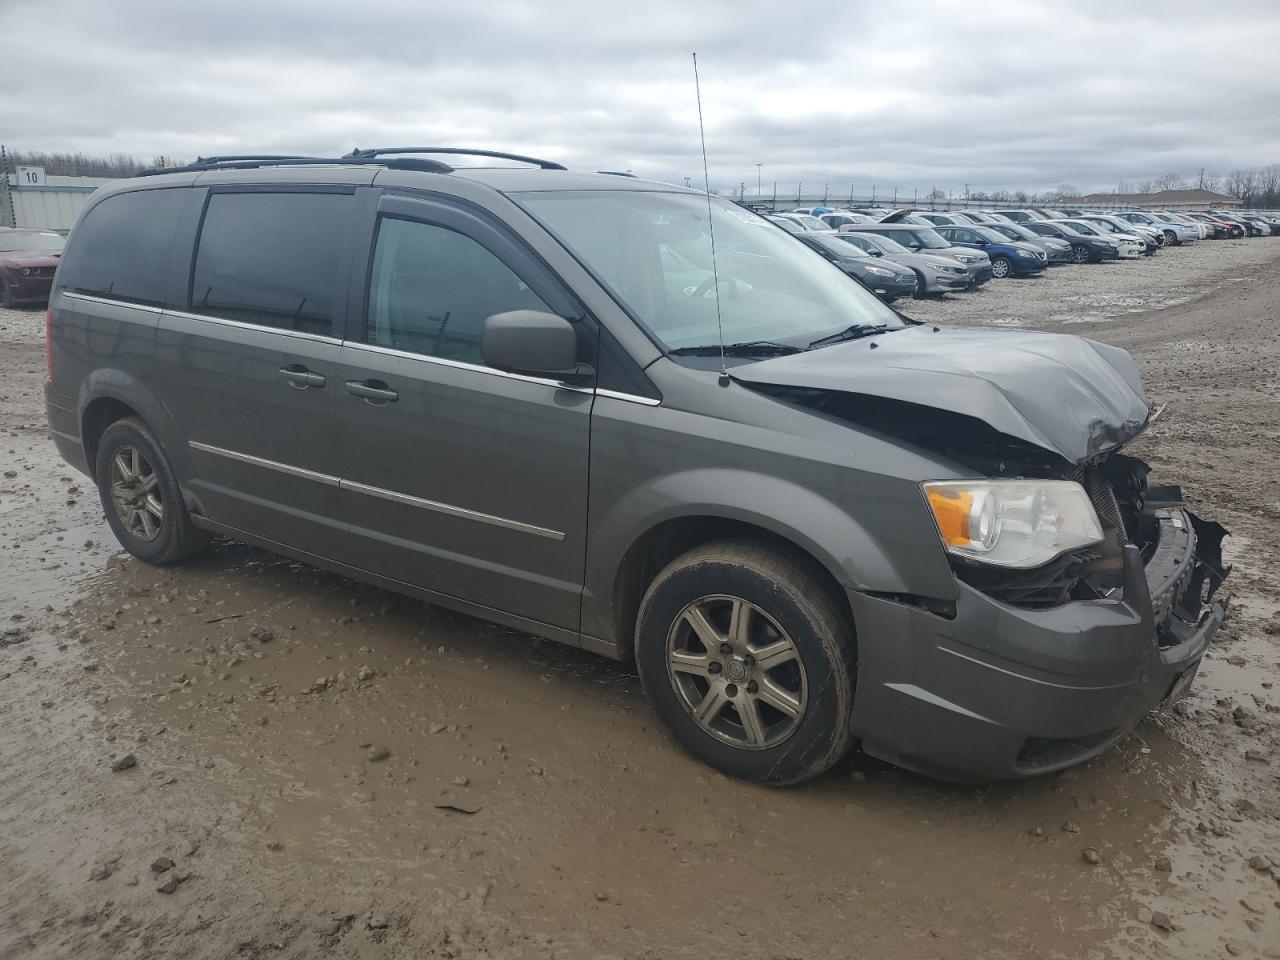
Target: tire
1001 268
920 293
1169 237
146 511
1161 239
790 618
1080 253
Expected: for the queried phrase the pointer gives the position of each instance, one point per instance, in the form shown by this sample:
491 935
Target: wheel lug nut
715 666
752 686
726 649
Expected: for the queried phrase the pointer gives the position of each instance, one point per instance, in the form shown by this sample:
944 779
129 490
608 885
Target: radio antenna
706 179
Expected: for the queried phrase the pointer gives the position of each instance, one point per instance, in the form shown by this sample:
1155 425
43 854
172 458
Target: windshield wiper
856 332
746 348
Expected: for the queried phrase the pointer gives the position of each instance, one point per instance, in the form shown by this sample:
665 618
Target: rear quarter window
122 247
272 259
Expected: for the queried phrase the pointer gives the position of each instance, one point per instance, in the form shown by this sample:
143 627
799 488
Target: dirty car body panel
545 501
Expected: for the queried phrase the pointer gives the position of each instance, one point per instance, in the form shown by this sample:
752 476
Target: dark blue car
1009 258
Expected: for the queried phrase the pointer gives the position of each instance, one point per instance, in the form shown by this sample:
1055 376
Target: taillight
48 343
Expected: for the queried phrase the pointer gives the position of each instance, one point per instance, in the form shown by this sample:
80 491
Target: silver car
924 239
934 275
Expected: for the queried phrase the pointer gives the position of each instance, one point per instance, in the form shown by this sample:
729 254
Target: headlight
1026 253
25 271
1012 523
880 271
941 269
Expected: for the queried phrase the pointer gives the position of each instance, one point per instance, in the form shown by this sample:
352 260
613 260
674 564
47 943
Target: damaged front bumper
1000 691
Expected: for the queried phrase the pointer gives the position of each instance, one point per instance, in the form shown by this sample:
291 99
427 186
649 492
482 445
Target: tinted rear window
122 247
272 259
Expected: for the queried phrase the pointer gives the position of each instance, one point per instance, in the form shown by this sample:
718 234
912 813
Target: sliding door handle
300 377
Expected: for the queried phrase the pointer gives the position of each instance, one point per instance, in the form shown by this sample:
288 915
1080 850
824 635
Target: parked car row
957 250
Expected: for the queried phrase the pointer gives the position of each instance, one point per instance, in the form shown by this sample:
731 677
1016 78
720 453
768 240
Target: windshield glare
31 242
653 251
1084 228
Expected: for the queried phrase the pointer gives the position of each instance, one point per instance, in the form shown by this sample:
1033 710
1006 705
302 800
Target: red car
28 259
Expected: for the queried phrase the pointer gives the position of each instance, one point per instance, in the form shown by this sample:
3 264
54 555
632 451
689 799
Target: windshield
653 252
1006 231
1079 227
987 233
811 223
1106 225
31 241
1068 229
887 244
838 247
787 224
930 239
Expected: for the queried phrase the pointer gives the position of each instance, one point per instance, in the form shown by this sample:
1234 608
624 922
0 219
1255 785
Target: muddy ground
321 769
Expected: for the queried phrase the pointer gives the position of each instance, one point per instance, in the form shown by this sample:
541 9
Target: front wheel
140 495
1169 237
749 661
922 290
1001 267
1079 253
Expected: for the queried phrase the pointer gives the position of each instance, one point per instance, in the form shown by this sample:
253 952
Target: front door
457 477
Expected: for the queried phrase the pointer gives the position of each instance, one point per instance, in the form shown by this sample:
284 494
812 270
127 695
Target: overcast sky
1019 95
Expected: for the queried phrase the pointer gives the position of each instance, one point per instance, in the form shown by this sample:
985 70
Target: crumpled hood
1066 394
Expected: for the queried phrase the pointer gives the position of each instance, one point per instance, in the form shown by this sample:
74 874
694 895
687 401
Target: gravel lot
324 769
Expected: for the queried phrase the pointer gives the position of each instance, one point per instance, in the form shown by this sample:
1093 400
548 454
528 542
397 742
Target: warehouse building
1162 200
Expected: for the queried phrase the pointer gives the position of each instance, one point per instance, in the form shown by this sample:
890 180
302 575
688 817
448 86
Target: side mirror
876 253
532 342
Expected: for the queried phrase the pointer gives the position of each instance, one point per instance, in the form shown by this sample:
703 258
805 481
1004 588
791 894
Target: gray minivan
553 400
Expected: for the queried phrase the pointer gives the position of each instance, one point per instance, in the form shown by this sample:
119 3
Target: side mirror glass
532 342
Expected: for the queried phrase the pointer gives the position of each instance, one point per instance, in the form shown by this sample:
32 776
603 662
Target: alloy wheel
737 672
999 268
1079 254
135 492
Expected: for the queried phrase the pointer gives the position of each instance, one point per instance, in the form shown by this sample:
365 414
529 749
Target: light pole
759 168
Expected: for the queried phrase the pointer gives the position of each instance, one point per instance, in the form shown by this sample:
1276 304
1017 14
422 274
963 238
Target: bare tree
60 164
1146 186
1269 186
1066 191
1242 184
1169 181
1021 196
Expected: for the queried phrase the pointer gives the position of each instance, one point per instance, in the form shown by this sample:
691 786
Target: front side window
652 250
433 288
123 246
272 259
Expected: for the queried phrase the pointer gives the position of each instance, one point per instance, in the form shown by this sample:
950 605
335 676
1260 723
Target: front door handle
373 391
300 378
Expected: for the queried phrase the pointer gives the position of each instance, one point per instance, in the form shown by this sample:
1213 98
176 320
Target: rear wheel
749 662
1001 267
1169 237
140 495
1079 253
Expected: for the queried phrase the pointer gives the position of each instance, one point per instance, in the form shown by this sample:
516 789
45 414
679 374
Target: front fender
909 560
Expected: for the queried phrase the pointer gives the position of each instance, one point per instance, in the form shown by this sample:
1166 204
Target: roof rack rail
251 162
459 151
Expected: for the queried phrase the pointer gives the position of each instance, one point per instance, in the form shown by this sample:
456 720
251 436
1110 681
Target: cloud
935 93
